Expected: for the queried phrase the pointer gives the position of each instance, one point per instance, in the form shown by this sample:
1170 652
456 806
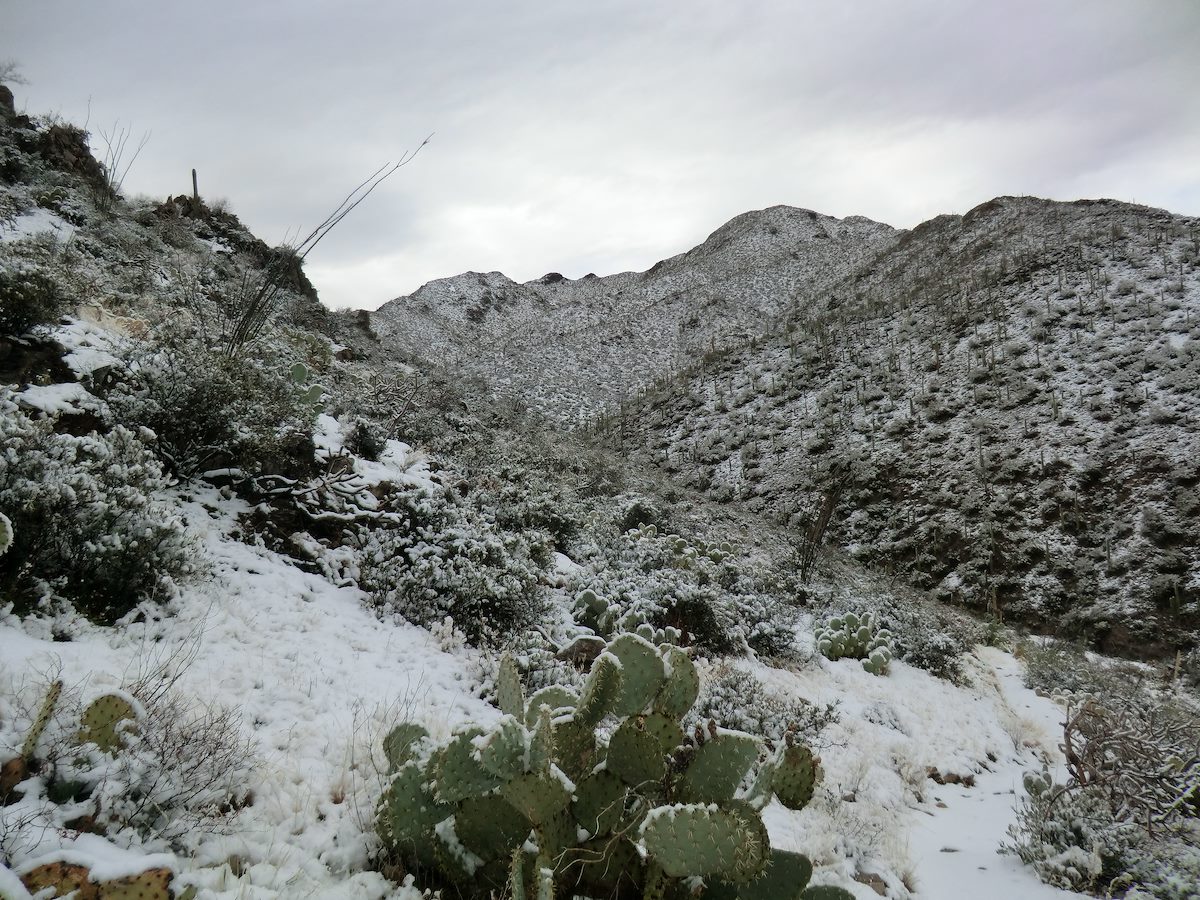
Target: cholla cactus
857 637
542 803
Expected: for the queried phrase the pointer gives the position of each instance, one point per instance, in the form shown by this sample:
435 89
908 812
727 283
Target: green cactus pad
299 373
401 742
575 746
502 753
682 684
796 775
556 697
665 730
601 691
541 744
642 673
407 812
635 755
718 768
785 878
537 797
510 696
702 839
599 803
103 721
490 827
43 718
458 773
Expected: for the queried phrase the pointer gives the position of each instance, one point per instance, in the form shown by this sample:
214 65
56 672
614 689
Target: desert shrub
445 559
87 526
735 698
1070 840
523 501
364 440
1128 816
722 601
27 299
1059 668
209 411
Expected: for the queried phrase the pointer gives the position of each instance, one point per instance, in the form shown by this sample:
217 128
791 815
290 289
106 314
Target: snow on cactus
856 637
6 534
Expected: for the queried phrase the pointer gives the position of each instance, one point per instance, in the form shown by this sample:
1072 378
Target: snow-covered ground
317 680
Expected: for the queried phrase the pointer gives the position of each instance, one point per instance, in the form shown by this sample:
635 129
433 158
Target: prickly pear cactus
595 794
75 881
6 534
854 637
104 720
39 724
510 696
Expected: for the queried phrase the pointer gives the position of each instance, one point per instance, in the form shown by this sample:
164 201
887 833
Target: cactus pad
681 687
510 696
599 803
490 827
635 755
102 721
537 797
702 839
153 884
459 772
502 752
407 812
797 772
601 691
555 696
39 724
400 743
666 731
642 673
718 768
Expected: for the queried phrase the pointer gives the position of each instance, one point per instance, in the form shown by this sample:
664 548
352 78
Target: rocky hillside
1000 407
570 347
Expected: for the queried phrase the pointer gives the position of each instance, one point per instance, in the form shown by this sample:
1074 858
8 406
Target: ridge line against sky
607 136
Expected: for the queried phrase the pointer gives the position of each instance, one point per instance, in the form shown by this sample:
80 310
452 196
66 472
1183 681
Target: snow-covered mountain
570 347
1003 404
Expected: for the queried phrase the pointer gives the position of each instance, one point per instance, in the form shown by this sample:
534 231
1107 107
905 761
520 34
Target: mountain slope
1003 406
570 347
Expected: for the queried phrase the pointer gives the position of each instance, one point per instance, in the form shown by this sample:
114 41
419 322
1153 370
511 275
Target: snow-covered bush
726 606
1128 815
856 637
1070 839
736 699
27 298
211 411
87 525
448 560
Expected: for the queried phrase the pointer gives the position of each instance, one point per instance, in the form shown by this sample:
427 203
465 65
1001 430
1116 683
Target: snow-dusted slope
569 347
1004 407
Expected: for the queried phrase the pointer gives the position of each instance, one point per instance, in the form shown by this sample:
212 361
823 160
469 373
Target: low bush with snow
89 524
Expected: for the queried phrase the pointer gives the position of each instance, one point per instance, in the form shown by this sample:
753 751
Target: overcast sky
604 135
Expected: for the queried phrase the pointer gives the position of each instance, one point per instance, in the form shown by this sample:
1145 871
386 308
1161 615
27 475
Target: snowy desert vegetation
289 610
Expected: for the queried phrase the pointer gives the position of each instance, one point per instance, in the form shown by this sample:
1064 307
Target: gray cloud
605 136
